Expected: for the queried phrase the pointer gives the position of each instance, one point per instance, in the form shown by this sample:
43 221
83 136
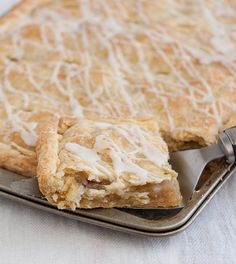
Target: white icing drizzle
28 133
89 156
104 41
123 160
102 125
86 154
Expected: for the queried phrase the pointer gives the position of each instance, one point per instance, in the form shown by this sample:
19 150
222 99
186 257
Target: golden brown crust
13 160
231 122
47 149
15 155
16 152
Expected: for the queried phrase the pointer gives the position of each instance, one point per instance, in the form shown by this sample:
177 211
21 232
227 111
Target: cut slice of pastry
88 163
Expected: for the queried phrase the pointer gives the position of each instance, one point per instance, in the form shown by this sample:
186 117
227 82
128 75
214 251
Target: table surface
31 236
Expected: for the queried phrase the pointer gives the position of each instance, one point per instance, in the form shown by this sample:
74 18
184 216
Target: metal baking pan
149 222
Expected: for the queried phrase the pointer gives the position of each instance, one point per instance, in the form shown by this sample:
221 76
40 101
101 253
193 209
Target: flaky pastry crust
105 163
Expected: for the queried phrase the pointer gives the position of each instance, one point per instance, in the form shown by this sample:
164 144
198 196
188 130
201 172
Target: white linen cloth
30 236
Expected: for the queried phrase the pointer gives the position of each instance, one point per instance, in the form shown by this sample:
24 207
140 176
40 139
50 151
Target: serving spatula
190 163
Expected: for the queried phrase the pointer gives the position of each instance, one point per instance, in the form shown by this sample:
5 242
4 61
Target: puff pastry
105 163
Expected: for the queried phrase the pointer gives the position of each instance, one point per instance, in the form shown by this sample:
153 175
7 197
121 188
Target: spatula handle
227 143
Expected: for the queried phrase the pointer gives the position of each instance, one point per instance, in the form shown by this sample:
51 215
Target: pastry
105 163
172 61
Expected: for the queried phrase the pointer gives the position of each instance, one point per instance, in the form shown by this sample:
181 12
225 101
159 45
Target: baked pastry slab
89 163
98 58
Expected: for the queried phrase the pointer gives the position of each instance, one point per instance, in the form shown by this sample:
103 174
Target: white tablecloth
31 236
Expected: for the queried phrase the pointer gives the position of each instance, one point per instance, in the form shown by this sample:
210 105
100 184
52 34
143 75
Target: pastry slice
86 163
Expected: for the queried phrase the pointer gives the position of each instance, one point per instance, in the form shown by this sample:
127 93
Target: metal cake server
188 163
